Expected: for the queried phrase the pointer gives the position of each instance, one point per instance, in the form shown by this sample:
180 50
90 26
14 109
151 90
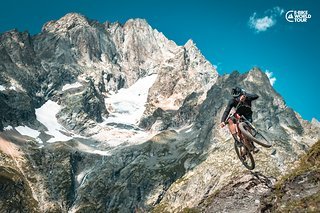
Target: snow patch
70 86
93 150
13 88
115 136
39 140
123 135
128 105
3 88
186 128
100 152
46 114
24 130
8 128
315 122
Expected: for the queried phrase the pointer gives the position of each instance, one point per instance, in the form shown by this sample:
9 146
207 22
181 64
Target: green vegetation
290 193
160 208
308 163
307 204
190 210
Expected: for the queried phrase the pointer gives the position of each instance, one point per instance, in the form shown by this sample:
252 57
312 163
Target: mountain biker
244 100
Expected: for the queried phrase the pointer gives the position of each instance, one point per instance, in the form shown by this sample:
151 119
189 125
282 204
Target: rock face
83 108
190 75
16 108
16 194
123 142
243 194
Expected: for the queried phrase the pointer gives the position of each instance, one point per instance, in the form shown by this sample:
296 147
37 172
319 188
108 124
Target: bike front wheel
254 135
247 158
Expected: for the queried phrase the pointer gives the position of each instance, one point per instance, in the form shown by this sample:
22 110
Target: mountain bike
248 134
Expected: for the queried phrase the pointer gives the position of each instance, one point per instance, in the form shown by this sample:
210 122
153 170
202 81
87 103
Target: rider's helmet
236 92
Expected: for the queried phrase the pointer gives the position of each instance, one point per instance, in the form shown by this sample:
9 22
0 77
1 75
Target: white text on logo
297 16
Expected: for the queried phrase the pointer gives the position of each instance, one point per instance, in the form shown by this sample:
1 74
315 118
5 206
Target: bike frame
238 118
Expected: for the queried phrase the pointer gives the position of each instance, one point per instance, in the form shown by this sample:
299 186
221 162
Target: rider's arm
251 97
227 111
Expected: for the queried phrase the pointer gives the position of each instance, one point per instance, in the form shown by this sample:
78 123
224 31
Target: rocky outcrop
243 194
16 108
185 74
16 194
299 189
93 103
81 110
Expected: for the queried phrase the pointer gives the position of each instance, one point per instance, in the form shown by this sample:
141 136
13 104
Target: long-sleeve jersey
245 110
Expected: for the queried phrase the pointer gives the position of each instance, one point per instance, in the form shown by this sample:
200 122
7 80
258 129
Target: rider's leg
233 130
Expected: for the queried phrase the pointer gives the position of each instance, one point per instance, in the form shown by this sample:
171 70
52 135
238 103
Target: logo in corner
298 16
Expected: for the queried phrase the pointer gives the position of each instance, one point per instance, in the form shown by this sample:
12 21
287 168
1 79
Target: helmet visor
236 92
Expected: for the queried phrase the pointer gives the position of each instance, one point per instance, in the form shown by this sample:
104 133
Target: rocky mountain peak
16 37
137 23
11 33
67 22
258 76
315 122
109 24
189 44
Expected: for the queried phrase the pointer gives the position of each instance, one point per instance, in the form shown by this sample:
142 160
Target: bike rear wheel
254 135
247 159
